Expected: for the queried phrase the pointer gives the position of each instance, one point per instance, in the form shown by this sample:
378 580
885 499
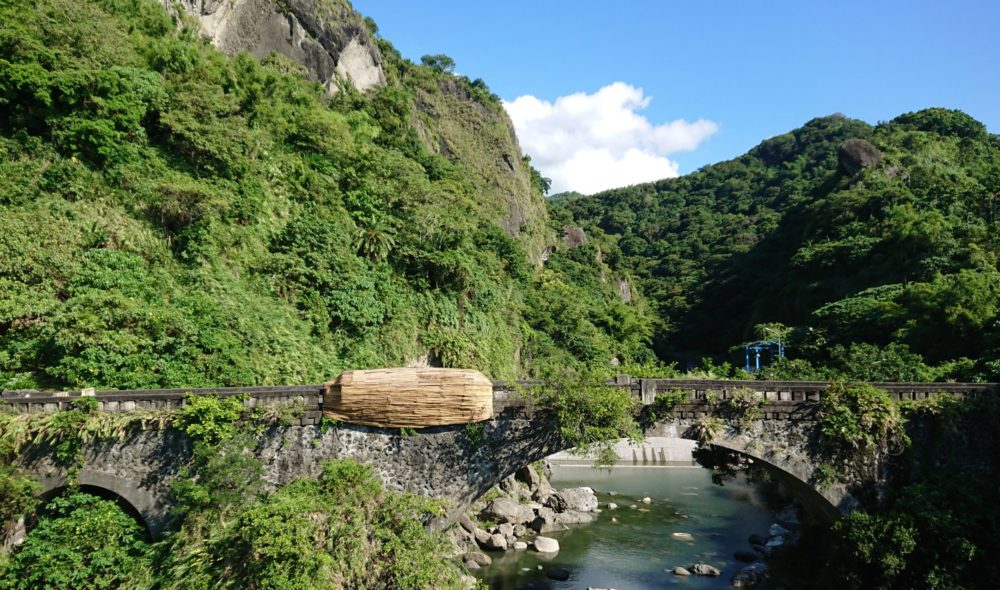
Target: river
635 548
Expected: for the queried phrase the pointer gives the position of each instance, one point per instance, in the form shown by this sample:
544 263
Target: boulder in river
481 536
681 571
508 510
575 517
478 557
559 574
749 576
703 569
581 499
546 545
545 522
683 536
497 542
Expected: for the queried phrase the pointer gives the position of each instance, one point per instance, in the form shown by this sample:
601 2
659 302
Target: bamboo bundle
409 398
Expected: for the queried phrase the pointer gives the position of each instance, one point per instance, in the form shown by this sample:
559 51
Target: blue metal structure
773 349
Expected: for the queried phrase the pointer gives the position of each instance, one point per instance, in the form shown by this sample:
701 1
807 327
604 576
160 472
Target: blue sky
747 70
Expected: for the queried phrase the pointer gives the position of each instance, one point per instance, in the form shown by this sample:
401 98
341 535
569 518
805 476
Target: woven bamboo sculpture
409 398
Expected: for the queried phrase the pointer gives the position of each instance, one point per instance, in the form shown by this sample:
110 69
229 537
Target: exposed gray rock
546 522
575 517
777 530
520 530
497 542
508 510
543 492
612 506
546 545
520 545
479 558
749 576
855 154
581 499
482 537
703 569
507 530
529 476
681 571
329 40
466 523
624 291
574 237
556 502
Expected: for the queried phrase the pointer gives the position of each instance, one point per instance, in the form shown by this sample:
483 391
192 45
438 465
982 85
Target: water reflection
636 546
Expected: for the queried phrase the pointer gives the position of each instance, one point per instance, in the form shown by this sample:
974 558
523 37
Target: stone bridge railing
443 462
782 398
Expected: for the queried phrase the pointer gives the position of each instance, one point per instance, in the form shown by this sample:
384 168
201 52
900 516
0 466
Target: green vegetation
889 273
939 525
591 416
175 217
81 542
170 216
859 424
338 531
18 497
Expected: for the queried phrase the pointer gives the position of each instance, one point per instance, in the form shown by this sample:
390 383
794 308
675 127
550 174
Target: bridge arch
141 504
795 471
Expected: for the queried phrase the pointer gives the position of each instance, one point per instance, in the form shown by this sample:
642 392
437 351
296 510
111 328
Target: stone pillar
647 391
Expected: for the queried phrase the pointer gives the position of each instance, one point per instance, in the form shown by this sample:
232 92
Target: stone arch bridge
453 463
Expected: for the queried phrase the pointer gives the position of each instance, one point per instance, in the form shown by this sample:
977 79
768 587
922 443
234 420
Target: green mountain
171 215
864 247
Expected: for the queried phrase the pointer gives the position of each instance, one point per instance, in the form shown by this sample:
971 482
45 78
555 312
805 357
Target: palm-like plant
374 243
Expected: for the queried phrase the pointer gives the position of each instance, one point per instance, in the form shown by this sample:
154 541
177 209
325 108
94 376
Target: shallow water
639 551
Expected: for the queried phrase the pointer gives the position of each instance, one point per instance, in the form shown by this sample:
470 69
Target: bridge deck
783 399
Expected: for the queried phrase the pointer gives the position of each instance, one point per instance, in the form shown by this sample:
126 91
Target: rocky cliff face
326 37
477 134
333 44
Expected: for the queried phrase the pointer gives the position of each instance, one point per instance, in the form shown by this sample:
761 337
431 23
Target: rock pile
517 520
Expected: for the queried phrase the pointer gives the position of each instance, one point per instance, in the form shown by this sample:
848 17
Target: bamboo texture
409 397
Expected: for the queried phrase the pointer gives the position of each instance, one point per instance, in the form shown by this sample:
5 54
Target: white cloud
592 142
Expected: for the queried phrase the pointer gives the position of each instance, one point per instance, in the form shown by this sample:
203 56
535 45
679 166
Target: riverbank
634 545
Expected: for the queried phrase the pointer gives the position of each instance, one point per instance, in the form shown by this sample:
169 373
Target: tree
440 62
83 542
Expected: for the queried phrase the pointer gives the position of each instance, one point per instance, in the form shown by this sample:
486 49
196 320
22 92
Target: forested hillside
872 251
172 216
